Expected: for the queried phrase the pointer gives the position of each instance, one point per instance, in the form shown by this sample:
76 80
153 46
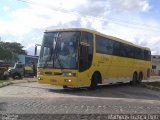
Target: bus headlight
67 80
40 78
69 74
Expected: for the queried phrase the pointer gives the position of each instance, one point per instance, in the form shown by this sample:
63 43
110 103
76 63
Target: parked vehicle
20 70
3 73
83 57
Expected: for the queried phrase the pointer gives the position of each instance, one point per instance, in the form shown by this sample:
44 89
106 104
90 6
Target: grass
1 81
10 81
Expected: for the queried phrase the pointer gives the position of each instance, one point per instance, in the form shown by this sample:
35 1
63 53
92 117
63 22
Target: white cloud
28 24
5 8
30 48
130 5
145 6
42 14
30 45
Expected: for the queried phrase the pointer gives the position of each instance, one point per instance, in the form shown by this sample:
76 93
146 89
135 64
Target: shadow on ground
124 90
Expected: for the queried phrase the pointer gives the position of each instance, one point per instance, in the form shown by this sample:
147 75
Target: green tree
10 50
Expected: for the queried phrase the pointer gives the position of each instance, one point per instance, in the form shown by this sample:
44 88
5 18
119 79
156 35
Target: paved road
35 98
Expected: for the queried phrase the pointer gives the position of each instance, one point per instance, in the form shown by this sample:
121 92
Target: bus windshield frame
59 50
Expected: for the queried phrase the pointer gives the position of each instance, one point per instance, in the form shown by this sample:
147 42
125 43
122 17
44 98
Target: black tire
94 81
134 79
140 78
5 77
16 76
65 86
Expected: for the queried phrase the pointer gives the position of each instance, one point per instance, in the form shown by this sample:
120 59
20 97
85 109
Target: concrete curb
16 82
151 80
151 87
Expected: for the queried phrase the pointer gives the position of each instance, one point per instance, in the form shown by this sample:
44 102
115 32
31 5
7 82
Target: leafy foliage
9 50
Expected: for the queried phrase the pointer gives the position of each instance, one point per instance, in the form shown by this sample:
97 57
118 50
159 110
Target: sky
25 21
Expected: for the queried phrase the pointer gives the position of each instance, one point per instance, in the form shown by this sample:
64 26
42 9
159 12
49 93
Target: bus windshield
59 50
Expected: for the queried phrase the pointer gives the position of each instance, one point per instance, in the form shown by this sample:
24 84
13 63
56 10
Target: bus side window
109 46
147 55
116 48
123 50
104 45
86 51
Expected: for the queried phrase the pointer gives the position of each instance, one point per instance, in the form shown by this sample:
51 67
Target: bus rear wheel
140 78
134 79
94 81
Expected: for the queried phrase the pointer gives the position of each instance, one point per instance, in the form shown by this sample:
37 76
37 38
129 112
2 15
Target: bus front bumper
59 80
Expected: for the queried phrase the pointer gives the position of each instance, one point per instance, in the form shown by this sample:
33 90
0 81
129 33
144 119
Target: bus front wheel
94 81
65 86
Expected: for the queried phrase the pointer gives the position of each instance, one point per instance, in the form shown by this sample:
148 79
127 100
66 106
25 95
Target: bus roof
98 33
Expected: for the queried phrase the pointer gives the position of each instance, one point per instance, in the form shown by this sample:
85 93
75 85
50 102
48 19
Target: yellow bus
76 57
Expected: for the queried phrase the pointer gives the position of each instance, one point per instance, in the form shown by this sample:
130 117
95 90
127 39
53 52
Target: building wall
21 58
156 64
31 59
27 59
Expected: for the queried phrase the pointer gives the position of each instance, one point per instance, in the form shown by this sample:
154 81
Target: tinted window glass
116 48
90 48
130 52
100 45
104 45
147 55
86 51
142 54
107 46
123 50
137 53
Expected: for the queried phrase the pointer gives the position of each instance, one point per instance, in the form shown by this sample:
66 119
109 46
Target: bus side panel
103 65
